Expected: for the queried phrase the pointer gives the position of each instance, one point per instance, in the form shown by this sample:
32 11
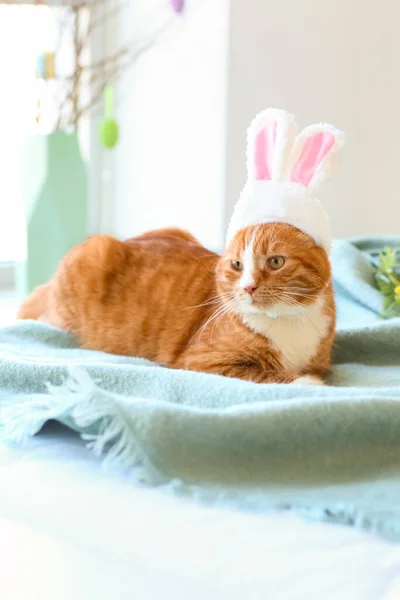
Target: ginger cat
263 311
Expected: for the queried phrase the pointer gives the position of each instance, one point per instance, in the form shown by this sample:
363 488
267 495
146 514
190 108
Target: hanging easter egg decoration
50 65
41 66
177 5
45 66
108 129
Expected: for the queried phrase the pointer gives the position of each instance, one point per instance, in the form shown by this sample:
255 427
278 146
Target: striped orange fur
164 297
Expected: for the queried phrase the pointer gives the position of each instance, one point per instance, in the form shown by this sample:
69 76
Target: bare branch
93 76
108 16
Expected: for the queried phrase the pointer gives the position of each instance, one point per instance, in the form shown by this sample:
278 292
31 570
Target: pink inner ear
264 146
314 151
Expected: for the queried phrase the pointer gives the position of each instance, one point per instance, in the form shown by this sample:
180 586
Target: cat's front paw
308 380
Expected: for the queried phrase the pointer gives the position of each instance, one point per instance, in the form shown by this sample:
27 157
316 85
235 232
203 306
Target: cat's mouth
270 306
246 301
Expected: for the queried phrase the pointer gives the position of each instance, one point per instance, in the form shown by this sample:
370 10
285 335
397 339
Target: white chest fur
296 336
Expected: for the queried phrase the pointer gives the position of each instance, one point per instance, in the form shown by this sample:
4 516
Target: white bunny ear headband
283 174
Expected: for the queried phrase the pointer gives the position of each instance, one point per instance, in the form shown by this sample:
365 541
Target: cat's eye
237 265
276 262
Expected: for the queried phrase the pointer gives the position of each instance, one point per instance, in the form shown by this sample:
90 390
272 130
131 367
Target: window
25 31
22 29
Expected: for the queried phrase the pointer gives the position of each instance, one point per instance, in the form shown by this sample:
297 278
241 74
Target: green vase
55 197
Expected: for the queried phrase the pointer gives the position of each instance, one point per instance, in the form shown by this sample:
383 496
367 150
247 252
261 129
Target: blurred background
120 116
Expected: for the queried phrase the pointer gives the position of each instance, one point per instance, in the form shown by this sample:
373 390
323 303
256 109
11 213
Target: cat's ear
270 139
315 154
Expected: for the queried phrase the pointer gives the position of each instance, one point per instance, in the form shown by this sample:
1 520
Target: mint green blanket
329 453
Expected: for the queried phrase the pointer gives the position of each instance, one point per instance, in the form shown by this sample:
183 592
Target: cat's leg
246 371
308 380
87 258
257 375
320 364
36 304
82 275
318 368
83 282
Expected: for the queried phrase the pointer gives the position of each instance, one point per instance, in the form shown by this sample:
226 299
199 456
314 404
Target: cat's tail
36 304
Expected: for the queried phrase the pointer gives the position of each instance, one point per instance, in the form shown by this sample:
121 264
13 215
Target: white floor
70 530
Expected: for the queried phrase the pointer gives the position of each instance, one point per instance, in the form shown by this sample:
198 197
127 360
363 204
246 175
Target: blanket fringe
114 437
22 419
89 407
336 512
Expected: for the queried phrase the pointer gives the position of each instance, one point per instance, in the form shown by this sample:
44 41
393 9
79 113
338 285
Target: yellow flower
397 290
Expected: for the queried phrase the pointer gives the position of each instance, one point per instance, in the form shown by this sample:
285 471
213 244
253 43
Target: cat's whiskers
303 315
221 311
285 297
225 313
213 300
206 303
327 309
291 287
323 281
301 294
290 292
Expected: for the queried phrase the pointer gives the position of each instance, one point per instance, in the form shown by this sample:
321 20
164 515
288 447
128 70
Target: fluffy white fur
247 277
285 138
282 202
308 380
279 199
326 167
296 336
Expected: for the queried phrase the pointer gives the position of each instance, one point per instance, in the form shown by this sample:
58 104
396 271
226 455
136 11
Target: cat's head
272 268
285 175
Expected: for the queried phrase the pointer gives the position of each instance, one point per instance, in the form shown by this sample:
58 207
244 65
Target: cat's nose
250 289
